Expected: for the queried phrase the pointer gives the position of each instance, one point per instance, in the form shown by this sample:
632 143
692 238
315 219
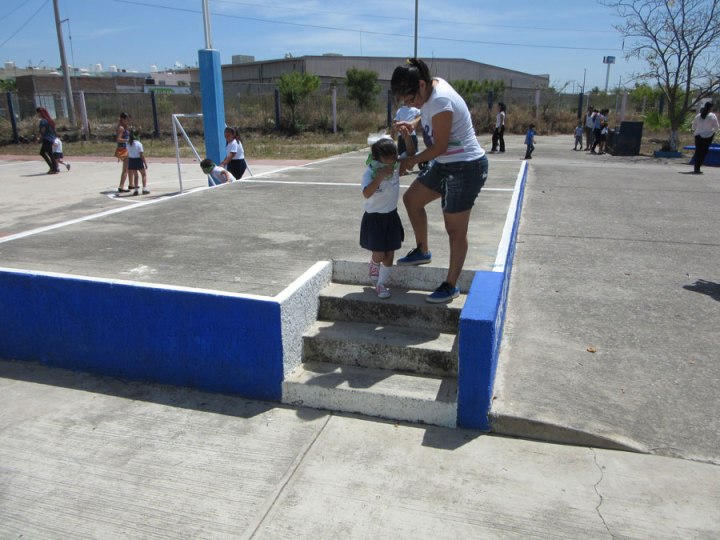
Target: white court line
137 204
504 246
158 286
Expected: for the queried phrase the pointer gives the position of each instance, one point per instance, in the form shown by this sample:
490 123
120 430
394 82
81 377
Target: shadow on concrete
172 396
705 287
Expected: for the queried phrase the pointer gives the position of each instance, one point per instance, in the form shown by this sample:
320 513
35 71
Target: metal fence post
156 124
11 114
277 108
83 115
334 109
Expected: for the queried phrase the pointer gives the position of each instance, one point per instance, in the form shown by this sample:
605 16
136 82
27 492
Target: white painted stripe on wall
504 246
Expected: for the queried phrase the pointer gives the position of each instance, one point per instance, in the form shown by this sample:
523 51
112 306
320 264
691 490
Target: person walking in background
499 133
216 173
704 127
589 127
530 141
381 230
57 149
47 137
458 172
235 158
578 136
136 163
122 134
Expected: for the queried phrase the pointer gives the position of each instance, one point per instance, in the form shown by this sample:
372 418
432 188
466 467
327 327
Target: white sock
384 274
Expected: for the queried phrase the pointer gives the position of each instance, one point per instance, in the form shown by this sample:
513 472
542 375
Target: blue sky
563 38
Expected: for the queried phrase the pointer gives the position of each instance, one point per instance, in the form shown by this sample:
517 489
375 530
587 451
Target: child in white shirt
136 162
217 174
381 230
58 152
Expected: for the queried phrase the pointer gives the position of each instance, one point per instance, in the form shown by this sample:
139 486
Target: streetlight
608 60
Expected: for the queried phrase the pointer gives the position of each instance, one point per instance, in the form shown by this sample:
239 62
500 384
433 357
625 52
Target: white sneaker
382 291
373 271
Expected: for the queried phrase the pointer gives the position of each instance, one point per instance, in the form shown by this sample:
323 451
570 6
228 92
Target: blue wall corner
479 343
197 339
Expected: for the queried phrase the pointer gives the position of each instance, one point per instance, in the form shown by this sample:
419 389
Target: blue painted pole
213 103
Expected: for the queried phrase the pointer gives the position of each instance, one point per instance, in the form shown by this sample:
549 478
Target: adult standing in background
47 138
458 171
704 127
122 135
589 126
499 133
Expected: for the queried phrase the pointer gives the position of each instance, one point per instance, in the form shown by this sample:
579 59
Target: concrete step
359 303
373 392
398 348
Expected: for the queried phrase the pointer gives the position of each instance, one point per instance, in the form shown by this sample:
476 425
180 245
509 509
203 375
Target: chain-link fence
257 107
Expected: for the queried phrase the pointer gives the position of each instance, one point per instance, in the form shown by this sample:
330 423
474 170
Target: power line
25 23
358 31
21 4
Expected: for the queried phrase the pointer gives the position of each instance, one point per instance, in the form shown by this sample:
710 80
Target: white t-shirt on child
135 149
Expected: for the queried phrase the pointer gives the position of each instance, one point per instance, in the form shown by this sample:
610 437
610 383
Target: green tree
294 88
678 41
8 85
362 86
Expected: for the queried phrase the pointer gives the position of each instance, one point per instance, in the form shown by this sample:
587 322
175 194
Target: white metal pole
177 150
83 115
416 29
206 20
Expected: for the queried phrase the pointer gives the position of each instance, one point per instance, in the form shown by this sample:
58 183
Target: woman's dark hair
502 106
384 147
124 115
706 109
406 79
43 112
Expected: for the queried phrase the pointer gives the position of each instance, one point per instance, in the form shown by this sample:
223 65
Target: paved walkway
615 255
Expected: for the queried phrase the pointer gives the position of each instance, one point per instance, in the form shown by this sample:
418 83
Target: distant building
333 67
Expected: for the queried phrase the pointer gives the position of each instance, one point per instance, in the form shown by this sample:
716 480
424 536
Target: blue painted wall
481 325
187 338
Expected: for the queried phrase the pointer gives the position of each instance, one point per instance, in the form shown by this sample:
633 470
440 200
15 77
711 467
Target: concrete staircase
395 358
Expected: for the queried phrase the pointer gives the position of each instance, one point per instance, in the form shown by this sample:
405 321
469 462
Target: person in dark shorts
458 171
136 163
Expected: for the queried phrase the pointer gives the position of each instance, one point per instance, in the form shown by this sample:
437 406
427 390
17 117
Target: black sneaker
443 294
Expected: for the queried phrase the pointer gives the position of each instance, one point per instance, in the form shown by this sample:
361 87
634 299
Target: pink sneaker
382 291
373 271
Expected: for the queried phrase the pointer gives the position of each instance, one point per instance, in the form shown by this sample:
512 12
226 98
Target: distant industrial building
332 68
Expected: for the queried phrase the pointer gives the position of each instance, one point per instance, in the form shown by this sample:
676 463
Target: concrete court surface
255 236
619 255
98 458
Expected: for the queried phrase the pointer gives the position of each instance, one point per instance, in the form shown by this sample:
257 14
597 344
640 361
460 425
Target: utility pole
63 63
416 28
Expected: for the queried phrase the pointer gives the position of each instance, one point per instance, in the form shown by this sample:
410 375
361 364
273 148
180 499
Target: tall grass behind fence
252 107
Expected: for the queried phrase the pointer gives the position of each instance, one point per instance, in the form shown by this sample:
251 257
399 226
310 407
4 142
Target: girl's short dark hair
706 109
384 147
502 106
406 79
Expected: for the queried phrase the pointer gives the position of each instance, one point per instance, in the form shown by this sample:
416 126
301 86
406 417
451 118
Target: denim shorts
458 183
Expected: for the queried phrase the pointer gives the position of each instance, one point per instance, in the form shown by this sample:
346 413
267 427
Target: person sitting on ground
217 174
